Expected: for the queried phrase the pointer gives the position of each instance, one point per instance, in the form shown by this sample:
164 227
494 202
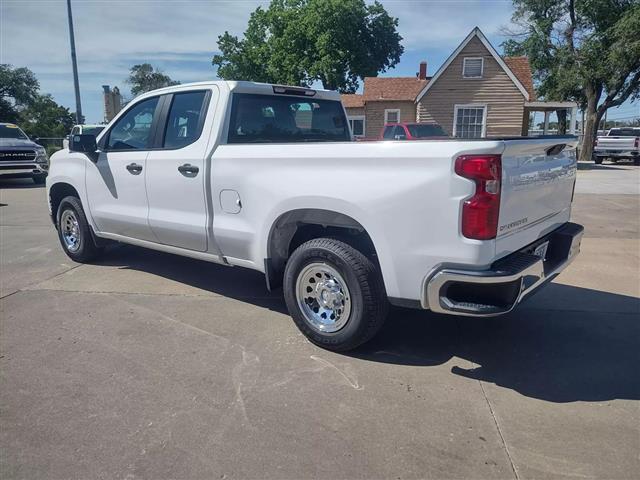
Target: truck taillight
480 212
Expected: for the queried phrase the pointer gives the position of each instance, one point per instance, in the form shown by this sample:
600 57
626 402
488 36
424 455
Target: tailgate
538 177
615 143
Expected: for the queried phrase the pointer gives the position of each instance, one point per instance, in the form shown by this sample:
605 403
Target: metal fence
50 142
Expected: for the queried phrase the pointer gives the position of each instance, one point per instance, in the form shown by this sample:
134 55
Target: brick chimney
422 74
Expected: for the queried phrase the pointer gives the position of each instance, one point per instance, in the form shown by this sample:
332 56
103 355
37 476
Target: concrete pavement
147 365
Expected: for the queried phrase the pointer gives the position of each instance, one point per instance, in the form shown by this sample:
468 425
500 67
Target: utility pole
76 84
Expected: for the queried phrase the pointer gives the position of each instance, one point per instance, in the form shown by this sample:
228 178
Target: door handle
134 168
188 170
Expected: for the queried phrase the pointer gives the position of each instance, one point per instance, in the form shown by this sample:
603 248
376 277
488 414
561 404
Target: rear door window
286 119
185 119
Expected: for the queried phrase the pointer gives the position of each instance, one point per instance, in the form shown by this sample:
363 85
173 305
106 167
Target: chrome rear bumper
509 280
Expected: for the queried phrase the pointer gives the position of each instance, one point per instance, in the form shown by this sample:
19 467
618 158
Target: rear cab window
426 130
259 118
624 132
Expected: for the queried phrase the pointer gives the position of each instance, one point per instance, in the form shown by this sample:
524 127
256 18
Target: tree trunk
590 129
562 121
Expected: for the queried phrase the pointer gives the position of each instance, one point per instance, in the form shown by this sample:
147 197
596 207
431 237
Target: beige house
475 93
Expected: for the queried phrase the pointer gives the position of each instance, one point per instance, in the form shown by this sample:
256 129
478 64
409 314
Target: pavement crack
495 420
28 287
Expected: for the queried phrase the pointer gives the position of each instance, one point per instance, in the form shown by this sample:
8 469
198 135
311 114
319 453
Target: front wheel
598 160
335 294
74 231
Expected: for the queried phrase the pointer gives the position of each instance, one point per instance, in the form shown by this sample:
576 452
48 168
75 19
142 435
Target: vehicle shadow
594 166
566 344
233 282
8 183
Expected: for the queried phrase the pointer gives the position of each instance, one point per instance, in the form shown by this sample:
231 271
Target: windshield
286 119
92 130
425 131
12 131
624 132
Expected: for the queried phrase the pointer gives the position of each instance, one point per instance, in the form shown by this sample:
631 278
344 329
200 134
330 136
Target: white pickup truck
617 144
267 177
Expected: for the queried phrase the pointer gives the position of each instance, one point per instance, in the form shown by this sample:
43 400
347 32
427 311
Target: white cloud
180 37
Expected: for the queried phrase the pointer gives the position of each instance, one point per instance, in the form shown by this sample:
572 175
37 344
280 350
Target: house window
469 121
357 125
472 67
392 115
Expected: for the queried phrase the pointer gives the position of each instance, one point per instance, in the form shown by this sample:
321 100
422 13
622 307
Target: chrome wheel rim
70 229
323 297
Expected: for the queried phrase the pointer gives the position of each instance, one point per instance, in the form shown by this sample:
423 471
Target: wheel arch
57 192
294 227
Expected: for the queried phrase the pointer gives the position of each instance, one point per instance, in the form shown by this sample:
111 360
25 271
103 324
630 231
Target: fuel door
230 201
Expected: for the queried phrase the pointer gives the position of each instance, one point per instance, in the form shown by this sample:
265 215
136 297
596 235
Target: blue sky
180 38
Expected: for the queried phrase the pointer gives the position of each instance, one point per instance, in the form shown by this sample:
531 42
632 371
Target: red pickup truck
412 131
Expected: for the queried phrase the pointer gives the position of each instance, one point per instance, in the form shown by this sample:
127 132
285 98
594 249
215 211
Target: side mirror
84 144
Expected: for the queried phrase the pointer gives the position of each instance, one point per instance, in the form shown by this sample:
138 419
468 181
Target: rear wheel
335 294
598 160
74 231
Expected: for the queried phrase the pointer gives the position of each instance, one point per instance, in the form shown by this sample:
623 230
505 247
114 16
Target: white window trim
389 110
471 105
464 64
364 124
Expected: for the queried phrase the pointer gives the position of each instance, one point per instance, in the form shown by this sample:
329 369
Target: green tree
18 88
144 78
582 50
298 42
45 118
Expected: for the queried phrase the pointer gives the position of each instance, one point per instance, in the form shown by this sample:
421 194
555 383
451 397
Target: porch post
547 114
526 116
574 118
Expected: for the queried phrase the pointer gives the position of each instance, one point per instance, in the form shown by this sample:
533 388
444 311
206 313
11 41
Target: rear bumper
509 280
616 153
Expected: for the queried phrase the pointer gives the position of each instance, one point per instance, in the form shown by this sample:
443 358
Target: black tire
86 249
598 160
368 297
636 161
39 179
